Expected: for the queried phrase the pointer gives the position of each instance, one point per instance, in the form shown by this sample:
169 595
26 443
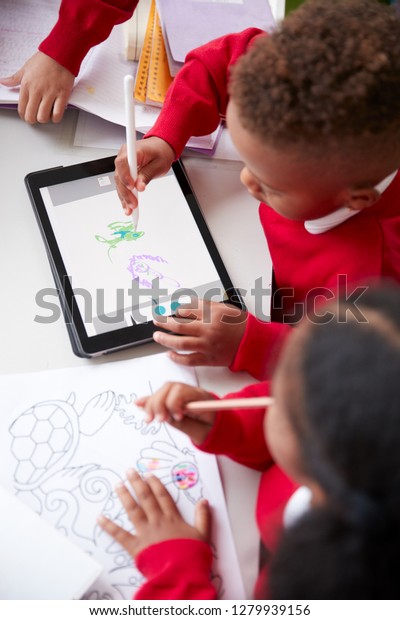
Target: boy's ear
359 199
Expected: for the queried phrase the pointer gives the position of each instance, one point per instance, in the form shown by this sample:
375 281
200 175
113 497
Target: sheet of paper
41 562
96 132
67 438
100 86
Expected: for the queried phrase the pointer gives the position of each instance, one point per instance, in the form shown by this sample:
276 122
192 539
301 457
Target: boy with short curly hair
314 111
327 80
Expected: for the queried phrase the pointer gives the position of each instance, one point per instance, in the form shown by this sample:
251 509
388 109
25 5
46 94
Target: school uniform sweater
81 25
306 266
180 569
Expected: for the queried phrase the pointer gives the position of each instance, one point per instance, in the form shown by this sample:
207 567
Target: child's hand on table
45 89
154 516
211 331
154 158
168 403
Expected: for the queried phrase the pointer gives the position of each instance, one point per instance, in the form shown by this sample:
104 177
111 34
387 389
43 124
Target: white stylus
131 137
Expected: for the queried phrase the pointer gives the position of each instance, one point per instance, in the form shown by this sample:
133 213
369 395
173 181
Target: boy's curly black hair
328 77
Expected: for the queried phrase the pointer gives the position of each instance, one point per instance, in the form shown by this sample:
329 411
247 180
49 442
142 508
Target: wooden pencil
197 406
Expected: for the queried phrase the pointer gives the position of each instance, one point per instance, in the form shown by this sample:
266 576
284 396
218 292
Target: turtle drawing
66 468
45 436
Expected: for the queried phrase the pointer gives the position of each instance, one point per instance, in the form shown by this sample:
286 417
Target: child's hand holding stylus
154 158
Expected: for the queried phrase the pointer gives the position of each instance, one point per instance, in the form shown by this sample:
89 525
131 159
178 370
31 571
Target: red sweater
81 25
365 246
180 569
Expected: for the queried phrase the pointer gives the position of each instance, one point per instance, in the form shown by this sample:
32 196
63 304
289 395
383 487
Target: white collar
298 504
322 224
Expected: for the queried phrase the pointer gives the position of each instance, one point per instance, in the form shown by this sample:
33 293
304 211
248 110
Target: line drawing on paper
120 232
53 474
46 436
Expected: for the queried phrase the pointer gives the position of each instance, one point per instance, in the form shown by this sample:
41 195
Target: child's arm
174 556
198 96
259 347
47 78
235 433
194 105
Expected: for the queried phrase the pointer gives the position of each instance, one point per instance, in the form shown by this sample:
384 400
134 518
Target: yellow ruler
144 61
159 76
153 76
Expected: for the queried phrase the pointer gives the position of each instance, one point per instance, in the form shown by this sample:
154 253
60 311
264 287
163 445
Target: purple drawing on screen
144 268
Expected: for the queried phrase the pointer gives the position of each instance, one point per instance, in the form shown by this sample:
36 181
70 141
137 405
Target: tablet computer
113 279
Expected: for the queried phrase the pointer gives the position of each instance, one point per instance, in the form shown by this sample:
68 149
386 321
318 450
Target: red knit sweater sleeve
259 347
81 25
198 96
239 433
176 570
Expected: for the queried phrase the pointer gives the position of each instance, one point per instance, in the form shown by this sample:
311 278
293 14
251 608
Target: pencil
131 138
197 406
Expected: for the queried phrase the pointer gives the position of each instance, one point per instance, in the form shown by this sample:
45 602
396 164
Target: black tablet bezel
100 344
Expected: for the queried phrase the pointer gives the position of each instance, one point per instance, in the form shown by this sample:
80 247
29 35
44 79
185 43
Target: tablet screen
122 276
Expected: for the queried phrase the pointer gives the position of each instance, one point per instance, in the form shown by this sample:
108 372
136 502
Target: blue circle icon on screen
175 305
159 310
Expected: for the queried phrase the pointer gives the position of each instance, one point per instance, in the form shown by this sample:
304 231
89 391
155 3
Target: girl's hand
167 405
154 516
211 331
154 158
45 89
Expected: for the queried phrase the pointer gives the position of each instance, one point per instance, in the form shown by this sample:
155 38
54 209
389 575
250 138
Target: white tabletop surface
26 345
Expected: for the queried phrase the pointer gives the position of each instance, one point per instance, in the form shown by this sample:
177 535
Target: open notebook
99 86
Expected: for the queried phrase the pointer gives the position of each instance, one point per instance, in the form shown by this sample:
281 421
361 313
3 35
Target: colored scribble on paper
176 468
120 232
149 466
141 268
185 475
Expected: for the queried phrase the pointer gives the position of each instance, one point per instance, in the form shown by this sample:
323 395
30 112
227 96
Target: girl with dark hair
329 447
337 388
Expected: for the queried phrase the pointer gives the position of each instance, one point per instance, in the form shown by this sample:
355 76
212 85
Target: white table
27 345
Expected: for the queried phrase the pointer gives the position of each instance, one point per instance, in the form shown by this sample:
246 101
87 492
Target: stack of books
174 27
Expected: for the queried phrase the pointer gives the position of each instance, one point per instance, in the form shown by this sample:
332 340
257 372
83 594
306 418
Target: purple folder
189 23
